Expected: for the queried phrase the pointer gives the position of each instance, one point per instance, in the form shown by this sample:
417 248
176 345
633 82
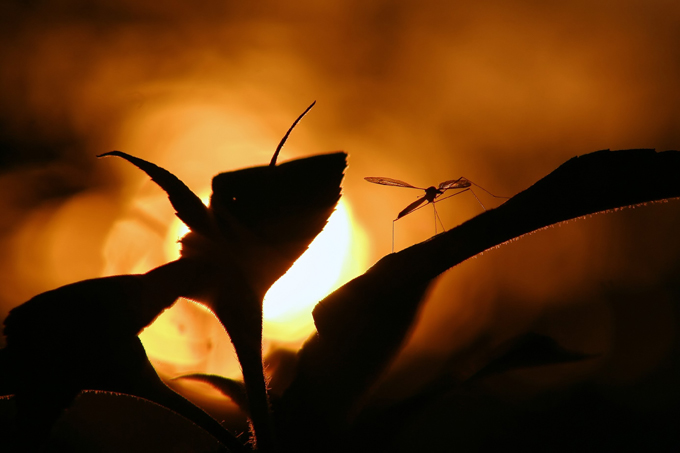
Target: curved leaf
189 208
362 324
83 336
529 350
231 388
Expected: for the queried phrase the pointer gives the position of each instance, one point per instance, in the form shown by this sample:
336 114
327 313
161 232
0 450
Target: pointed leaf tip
189 208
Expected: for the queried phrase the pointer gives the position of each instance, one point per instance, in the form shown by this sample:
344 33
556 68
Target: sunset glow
320 270
325 266
188 337
499 93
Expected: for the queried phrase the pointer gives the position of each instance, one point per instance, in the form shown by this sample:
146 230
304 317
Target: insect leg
495 196
458 193
393 235
477 198
449 196
436 217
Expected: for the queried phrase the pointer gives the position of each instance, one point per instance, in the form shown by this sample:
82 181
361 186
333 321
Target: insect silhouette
432 195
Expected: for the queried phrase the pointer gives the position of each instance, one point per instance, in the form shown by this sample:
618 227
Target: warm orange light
320 270
187 338
198 135
176 232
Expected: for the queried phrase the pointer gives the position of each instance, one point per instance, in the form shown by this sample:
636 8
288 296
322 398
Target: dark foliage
235 252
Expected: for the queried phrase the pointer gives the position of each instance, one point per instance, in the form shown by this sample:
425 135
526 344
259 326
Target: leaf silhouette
529 350
260 220
267 217
189 208
114 422
231 388
362 324
285 206
85 335
376 425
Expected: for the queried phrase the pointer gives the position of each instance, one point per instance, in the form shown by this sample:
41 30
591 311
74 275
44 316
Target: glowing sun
188 338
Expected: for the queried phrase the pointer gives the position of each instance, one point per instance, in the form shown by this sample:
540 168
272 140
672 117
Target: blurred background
422 91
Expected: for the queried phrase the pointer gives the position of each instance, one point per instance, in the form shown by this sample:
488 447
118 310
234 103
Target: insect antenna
285 137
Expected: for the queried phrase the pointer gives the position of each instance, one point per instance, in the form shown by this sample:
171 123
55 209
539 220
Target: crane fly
432 195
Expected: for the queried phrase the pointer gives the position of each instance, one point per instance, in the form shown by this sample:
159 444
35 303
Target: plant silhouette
240 245
84 335
236 249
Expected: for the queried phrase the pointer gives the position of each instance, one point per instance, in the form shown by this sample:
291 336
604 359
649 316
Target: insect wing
412 207
459 183
390 182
